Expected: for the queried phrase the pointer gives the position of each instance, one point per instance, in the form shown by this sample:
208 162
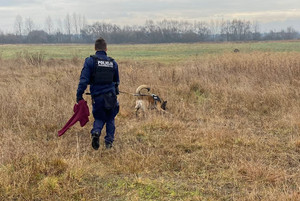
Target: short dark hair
100 44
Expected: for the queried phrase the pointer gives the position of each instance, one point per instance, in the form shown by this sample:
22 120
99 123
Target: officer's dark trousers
110 129
104 116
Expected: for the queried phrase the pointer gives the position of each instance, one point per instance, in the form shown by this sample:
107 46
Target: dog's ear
164 105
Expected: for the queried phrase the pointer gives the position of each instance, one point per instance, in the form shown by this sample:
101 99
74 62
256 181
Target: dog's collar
156 98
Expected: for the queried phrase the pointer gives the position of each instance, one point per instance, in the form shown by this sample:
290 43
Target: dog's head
164 105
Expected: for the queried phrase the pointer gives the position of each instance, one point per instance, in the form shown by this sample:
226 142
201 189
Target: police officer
102 74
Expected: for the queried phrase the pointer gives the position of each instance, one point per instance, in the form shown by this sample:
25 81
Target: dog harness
103 71
156 98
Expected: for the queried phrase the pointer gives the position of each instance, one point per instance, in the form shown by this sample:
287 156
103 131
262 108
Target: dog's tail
141 87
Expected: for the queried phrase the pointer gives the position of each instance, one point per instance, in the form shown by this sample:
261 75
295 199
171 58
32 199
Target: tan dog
146 101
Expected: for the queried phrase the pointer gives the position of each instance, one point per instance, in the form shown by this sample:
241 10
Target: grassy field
159 52
232 131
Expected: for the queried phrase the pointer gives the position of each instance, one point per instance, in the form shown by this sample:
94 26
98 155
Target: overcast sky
271 14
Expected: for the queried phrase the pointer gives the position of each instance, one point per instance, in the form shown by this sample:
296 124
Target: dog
147 101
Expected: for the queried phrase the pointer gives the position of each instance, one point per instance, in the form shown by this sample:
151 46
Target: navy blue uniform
102 93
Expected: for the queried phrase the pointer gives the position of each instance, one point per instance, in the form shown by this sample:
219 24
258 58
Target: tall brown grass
232 132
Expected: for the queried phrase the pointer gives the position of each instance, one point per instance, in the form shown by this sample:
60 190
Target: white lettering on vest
108 64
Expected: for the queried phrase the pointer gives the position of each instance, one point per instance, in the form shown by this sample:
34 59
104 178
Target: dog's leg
161 111
144 112
138 106
137 109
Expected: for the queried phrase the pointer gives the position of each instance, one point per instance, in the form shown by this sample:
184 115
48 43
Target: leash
124 92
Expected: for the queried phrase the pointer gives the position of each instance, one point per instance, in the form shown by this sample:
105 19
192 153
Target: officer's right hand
79 99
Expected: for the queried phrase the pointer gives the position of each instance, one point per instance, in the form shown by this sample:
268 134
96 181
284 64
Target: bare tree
202 30
59 26
28 25
185 26
225 29
214 28
82 22
247 33
68 24
150 26
75 23
291 33
49 25
19 25
255 30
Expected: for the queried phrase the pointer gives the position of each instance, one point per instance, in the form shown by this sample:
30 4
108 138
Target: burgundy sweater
81 114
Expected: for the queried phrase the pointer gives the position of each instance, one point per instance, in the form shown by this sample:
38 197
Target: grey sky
272 14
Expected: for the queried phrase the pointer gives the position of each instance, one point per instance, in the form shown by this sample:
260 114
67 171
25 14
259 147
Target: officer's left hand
117 90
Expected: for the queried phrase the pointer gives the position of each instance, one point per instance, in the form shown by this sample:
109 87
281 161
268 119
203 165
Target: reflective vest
103 71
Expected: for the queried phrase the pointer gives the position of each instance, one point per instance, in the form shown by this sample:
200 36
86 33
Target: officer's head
100 45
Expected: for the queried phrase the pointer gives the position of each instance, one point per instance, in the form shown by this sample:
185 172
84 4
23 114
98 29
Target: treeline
74 29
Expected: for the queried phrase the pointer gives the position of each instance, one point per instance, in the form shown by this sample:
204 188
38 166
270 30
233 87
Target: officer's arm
84 78
116 78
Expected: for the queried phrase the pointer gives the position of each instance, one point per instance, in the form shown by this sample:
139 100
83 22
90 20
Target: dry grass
232 132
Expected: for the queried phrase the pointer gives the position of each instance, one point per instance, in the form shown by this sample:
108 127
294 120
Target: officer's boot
95 140
108 145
